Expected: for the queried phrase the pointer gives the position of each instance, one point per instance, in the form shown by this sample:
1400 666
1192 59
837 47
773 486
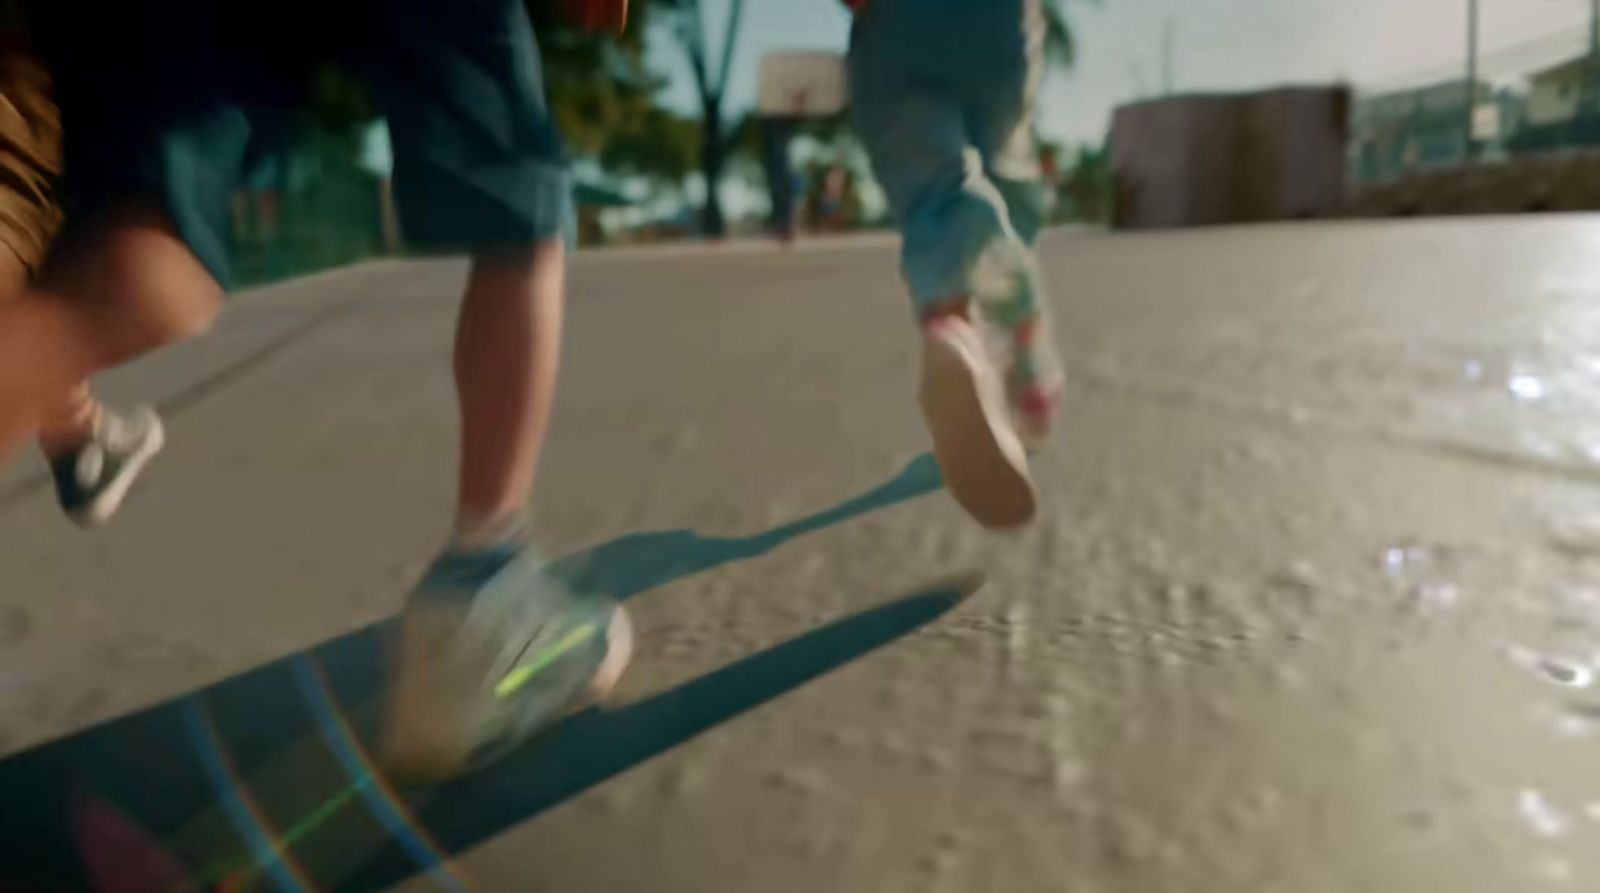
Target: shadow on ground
631 564
261 782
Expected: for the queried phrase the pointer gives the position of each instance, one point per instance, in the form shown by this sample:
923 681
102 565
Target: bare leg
126 288
507 355
961 307
70 422
23 386
45 350
67 422
452 703
138 282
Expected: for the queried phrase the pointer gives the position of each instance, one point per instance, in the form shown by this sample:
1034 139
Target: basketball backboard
802 83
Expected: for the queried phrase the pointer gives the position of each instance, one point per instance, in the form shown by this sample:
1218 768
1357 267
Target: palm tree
1088 189
598 84
1060 46
711 82
1061 53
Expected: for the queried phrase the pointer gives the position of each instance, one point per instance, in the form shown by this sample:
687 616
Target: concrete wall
1555 181
1201 160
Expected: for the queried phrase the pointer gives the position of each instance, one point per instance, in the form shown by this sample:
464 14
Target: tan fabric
30 152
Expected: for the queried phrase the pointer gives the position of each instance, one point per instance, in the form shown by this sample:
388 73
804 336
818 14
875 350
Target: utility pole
1471 100
1591 80
1168 48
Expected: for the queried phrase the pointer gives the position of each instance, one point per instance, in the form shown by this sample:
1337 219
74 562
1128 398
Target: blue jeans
942 94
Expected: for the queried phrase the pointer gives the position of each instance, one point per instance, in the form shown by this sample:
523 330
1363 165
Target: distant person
943 95
830 201
161 101
94 454
838 203
777 133
815 186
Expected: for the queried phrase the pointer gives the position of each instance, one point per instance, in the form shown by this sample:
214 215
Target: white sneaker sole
983 461
103 509
433 731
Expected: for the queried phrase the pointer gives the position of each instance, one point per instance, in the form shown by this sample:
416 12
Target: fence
324 210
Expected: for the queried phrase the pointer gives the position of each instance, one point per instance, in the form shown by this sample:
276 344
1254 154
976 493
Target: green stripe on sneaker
522 674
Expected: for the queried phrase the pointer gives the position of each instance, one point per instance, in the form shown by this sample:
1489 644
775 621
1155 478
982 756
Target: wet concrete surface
1314 604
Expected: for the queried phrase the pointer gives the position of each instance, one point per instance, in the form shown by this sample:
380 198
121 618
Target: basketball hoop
799 84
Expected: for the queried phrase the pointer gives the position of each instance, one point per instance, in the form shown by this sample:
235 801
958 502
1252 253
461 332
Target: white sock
481 533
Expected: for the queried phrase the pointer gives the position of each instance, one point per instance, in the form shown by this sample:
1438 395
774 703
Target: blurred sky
1220 44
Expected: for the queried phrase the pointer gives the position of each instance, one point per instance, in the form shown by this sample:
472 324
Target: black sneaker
92 481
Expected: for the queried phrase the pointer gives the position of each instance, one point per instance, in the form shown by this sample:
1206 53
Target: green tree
1060 44
686 21
658 145
605 97
1088 192
598 85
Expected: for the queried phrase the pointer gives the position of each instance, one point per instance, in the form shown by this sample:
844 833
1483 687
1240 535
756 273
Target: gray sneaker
93 480
491 652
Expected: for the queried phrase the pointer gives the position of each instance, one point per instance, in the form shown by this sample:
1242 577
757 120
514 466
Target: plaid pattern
30 147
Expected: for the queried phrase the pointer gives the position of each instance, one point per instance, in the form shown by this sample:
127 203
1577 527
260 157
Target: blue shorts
170 100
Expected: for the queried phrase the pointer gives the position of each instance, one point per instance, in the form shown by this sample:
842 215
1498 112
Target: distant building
1555 94
1401 131
1556 116
1199 160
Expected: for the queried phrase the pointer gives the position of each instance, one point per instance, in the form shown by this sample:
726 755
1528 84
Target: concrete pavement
1314 606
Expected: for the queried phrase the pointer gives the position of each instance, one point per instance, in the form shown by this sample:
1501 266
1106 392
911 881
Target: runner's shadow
263 781
598 745
265 774
634 563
